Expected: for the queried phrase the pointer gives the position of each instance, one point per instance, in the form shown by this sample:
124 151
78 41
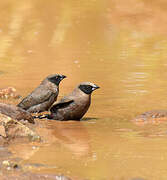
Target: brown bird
43 96
15 112
74 105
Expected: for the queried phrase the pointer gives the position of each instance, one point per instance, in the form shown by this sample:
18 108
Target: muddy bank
19 140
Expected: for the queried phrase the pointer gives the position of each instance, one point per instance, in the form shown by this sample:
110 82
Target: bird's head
88 87
56 78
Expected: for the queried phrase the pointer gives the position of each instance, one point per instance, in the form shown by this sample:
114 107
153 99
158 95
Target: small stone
33 147
6 163
9 118
15 166
8 168
9 92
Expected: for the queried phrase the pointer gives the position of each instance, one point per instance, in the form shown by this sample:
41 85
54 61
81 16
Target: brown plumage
43 96
15 112
74 105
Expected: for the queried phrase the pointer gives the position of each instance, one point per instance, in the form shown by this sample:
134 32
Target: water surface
122 47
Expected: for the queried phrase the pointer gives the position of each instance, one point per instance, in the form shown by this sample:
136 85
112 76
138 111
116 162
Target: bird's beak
63 76
95 87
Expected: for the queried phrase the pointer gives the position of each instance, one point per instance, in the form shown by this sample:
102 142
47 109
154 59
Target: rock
153 114
2 131
15 112
8 164
5 163
11 129
9 92
151 117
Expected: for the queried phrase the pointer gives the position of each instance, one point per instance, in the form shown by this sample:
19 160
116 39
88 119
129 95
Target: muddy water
122 47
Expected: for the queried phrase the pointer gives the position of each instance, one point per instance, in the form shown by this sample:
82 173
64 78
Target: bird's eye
88 88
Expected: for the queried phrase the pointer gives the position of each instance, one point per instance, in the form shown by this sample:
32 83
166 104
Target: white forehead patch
88 83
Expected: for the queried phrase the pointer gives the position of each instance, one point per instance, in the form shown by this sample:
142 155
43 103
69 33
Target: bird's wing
62 104
36 97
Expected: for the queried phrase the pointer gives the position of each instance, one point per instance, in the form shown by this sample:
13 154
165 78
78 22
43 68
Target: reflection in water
123 50
18 16
73 136
23 150
1 72
63 25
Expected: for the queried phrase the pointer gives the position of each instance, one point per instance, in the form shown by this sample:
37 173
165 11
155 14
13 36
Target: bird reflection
70 134
74 136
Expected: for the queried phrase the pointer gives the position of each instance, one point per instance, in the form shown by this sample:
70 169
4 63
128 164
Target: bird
74 105
16 112
43 96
